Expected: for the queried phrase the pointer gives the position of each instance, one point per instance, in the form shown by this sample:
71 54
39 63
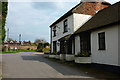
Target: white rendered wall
73 43
80 19
74 22
77 44
110 55
60 28
118 44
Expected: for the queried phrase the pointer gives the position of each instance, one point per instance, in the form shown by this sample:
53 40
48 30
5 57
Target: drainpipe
51 40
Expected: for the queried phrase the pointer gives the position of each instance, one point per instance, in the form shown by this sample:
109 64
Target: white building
101 36
66 25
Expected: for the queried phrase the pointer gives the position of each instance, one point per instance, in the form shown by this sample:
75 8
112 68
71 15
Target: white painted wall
74 22
80 19
60 28
58 46
118 44
77 44
73 42
110 55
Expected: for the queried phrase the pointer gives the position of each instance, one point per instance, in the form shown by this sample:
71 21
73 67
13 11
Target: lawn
17 51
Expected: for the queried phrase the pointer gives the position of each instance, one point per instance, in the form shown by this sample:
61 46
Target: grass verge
8 52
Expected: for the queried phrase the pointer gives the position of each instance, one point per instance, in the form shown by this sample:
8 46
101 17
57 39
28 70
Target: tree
46 44
4 14
37 41
40 47
41 44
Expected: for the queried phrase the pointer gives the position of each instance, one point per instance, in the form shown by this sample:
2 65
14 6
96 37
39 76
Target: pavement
34 65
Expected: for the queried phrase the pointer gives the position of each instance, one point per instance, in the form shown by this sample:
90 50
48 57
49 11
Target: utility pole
7 39
20 39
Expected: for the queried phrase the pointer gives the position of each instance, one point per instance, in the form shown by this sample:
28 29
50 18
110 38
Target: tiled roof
104 17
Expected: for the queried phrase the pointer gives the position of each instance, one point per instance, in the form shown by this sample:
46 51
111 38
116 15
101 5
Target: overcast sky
32 19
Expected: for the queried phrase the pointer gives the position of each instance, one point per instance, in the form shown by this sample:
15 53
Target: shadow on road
69 70
65 70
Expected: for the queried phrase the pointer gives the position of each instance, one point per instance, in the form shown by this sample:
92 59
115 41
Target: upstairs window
54 31
65 26
101 38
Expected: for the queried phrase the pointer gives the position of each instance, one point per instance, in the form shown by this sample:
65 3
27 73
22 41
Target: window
101 38
54 31
54 46
85 42
65 26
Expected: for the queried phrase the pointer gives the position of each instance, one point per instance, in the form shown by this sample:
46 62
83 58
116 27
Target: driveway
32 65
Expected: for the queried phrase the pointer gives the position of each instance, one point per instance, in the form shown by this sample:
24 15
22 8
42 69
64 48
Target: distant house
27 43
69 23
15 45
11 45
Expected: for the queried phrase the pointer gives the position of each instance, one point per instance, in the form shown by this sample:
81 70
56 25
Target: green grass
5 52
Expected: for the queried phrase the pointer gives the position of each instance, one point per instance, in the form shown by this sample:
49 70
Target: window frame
54 46
65 25
54 31
101 41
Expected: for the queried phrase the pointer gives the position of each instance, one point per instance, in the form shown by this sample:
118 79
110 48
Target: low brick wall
28 47
22 47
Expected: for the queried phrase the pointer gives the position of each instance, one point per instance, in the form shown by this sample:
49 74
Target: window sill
65 31
102 49
54 36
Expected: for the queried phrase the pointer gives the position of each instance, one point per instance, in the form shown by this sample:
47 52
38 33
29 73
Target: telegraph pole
8 38
20 38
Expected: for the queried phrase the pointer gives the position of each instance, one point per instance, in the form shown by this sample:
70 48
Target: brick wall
22 47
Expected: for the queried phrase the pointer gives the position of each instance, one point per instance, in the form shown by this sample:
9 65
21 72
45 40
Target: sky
32 19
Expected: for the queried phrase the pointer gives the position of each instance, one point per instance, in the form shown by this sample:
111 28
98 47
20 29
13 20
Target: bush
40 47
39 50
46 50
28 48
83 54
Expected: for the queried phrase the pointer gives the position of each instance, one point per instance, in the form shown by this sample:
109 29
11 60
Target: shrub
39 50
46 49
54 53
28 48
83 54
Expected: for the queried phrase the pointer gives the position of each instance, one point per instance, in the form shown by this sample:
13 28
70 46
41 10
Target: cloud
52 5
44 5
32 19
24 19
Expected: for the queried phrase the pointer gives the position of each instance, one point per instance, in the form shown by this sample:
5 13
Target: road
30 65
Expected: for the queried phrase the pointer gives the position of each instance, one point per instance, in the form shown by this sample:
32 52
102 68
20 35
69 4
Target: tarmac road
30 65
